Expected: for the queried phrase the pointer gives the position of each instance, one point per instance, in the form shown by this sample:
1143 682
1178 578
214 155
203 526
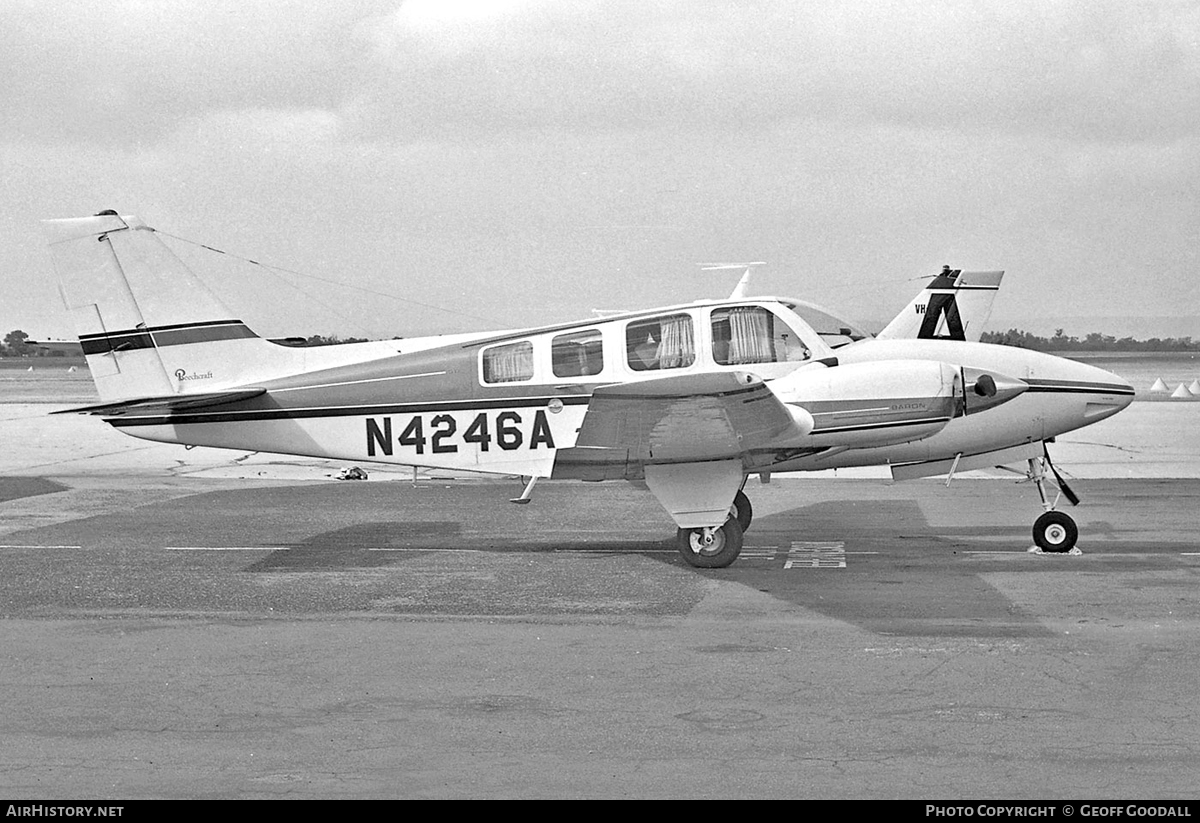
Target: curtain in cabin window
750 336
509 363
676 348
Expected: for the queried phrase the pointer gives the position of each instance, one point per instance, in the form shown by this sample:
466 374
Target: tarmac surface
221 625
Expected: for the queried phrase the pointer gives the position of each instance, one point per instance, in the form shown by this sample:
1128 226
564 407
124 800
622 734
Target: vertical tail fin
148 326
955 306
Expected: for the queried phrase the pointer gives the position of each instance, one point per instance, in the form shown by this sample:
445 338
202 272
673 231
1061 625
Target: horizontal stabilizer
166 405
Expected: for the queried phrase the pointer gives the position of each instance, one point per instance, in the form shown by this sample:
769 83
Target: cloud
134 70
1108 70
131 71
546 146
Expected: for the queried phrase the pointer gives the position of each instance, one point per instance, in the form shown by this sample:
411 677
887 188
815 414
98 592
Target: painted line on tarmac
39 547
226 548
1099 554
501 551
416 549
1095 553
610 551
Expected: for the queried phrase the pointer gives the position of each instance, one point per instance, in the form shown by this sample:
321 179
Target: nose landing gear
1054 531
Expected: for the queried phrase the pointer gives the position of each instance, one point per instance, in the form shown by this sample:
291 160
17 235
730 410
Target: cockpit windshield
743 335
835 331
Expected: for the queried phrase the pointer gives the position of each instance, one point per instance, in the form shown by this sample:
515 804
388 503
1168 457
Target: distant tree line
1092 342
332 340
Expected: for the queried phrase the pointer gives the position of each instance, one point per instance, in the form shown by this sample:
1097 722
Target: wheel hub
1056 534
705 540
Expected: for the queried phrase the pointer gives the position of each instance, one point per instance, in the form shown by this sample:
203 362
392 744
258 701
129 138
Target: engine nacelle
862 405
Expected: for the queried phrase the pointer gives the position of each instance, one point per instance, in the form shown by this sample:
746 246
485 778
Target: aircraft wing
166 405
689 418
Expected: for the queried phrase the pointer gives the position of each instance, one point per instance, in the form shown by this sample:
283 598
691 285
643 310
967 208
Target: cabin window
751 334
509 363
578 354
660 343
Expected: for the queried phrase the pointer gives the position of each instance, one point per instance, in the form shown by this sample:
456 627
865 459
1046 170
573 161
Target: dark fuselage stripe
255 415
1077 387
200 418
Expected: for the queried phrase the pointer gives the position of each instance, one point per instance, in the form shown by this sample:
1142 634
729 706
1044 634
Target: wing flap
687 418
166 405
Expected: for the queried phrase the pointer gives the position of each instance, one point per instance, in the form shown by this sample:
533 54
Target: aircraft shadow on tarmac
386 543
900 575
903 576
16 488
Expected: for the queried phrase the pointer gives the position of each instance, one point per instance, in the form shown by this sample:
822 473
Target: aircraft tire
725 547
742 511
1055 532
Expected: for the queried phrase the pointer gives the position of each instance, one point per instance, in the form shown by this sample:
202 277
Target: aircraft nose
1116 394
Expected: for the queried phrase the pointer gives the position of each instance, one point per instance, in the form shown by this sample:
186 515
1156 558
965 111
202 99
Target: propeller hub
987 389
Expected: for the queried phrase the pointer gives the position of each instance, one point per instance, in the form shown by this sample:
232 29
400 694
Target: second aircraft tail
955 306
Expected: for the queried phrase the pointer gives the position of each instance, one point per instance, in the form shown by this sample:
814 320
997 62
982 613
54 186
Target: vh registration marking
445 433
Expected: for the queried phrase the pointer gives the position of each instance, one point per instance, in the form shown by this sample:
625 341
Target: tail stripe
116 341
176 335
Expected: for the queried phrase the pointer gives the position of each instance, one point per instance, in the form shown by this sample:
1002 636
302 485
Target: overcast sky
518 162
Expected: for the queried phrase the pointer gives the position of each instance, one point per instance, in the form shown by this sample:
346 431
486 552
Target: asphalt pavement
214 636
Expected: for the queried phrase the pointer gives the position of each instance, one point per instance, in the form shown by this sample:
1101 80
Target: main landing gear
717 546
711 547
1054 531
742 511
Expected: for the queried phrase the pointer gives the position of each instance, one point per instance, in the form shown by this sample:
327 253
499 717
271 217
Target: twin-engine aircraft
688 400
